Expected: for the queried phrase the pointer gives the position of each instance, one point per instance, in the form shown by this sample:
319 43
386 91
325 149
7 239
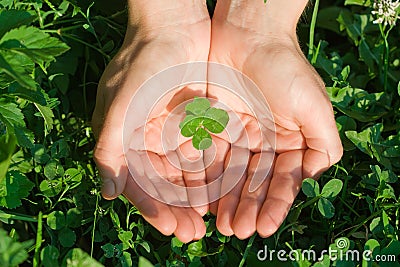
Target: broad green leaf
310 187
189 125
56 220
332 189
74 218
49 256
362 140
7 149
67 237
11 115
25 137
176 245
53 169
109 250
201 139
326 208
393 248
79 258
373 245
12 253
126 238
218 120
197 248
143 262
48 115
198 107
39 46
51 188
12 189
10 19
368 55
36 96
359 104
39 154
16 68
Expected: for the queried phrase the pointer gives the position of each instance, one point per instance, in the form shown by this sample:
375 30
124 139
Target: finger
194 176
284 187
215 170
319 130
244 223
231 188
185 230
154 168
155 212
174 175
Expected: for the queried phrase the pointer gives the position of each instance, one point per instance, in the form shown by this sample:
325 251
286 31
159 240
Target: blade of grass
312 30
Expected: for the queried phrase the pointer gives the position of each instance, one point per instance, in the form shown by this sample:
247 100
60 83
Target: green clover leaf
201 120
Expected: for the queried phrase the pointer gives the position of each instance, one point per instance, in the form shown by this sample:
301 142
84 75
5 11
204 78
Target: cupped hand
145 52
306 139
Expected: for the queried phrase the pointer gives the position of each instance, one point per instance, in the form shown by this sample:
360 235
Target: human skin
260 41
256 39
154 41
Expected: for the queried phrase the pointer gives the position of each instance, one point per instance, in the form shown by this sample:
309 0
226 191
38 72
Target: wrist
276 17
150 16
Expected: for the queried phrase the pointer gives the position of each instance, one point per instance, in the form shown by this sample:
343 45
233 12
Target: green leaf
35 96
143 262
53 169
326 208
218 120
10 19
78 258
198 107
176 245
51 188
12 253
39 46
366 3
16 67
126 238
56 220
310 187
332 189
11 115
25 137
201 139
49 256
67 237
109 250
48 115
12 189
74 218
197 248
189 125
7 149
363 139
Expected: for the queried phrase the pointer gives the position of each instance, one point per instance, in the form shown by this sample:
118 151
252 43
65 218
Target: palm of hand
307 142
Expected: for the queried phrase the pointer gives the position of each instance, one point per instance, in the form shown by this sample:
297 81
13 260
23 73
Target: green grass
51 211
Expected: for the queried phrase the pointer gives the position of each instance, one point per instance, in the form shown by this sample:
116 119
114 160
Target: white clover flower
386 12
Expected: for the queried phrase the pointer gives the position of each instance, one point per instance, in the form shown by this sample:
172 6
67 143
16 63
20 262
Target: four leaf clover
201 120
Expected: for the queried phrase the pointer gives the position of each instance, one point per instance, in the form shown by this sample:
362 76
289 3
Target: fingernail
108 188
